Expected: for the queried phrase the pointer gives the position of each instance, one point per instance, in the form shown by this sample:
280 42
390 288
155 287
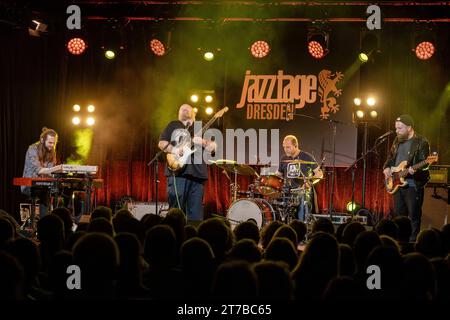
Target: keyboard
73 168
48 182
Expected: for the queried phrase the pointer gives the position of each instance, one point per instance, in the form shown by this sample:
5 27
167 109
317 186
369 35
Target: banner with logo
312 105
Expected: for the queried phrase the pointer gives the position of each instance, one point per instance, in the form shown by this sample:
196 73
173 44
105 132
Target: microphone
385 135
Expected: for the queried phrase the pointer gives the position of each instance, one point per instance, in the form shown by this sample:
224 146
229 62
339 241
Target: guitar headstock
220 113
432 158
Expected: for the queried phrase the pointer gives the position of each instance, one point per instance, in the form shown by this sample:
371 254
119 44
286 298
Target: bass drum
258 210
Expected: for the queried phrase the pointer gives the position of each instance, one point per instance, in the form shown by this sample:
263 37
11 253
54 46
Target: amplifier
439 174
139 209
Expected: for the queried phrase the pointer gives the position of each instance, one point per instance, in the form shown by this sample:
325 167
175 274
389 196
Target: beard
402 137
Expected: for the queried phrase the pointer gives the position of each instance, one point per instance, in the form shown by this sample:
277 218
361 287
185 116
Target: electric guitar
398 173
175 162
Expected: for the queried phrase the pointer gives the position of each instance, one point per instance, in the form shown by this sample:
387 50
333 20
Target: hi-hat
233 167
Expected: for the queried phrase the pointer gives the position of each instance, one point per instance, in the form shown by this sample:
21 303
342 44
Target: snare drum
258 210
270 185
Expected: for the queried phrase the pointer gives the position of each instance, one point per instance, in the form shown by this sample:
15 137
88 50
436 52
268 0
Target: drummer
296 173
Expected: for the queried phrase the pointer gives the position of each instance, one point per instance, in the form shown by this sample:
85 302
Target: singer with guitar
185 181
409 152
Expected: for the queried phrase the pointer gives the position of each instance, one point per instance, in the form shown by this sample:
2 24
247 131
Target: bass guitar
398 173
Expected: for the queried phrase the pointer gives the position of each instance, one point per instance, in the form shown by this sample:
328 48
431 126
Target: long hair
43 154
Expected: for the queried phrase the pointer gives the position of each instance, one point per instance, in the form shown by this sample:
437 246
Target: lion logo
327 82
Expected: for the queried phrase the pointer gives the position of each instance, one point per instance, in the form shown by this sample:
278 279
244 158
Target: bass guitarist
185 187
413 148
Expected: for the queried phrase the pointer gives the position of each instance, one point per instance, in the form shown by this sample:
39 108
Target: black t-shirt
175 132
289 170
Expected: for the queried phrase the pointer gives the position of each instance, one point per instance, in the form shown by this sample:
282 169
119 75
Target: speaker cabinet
436 207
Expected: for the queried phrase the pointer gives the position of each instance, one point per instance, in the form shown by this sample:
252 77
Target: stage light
424 50
208 56
260 49
90 121
76 120
194 98
365 109
76 108
317 40
208 98
363 57
209 110
37 27
368 45
360 114
76 46
371 101
91 108
109 54
352 207
195 109
157 47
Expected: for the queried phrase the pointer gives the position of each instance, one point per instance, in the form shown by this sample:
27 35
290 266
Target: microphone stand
330 192
363 157
155 159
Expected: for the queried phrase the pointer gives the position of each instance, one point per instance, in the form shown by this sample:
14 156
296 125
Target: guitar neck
404 172
206 126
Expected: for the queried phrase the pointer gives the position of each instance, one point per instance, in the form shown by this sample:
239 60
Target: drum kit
269 197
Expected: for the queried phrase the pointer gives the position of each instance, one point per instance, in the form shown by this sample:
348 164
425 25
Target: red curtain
137 180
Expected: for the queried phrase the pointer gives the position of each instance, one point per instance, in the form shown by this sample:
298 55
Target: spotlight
208 56
363 57
365 109
36 28
352 207
317 40
195 109
424 50
424 42
371 101
208 98
209 111
90 121
76 120
76 46
260 49
369 44
194 98
91 108
109 54
360 114
157 47
76 107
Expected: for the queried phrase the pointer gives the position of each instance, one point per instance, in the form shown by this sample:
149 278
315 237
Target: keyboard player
40 156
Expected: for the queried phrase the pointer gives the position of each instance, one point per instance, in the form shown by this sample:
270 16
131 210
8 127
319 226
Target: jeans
190 196
408 202
306 205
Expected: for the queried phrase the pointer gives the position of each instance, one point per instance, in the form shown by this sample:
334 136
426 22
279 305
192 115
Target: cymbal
299 161
233 167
